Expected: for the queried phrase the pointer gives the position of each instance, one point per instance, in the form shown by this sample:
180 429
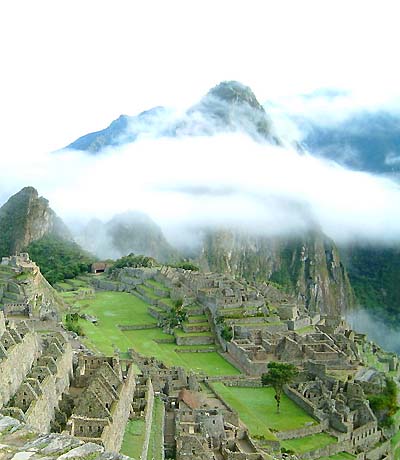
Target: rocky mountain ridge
25 218
228 107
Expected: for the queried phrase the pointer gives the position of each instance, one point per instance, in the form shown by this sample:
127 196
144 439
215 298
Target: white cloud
221 180
70 67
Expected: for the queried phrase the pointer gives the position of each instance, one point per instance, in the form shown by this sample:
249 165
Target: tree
278 375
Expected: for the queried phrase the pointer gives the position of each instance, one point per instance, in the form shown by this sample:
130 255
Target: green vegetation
156 434
395 441
278 375
227 333
72 323
257 409
309 443
134 261
186 266
120 308
339 456
289 272
225 330
374 274
384 404
175 317
132 443
59 259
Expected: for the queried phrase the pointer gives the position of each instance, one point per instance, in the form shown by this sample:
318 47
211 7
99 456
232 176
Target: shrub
72 324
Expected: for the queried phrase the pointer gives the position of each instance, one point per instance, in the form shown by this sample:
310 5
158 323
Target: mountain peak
234 92
229 106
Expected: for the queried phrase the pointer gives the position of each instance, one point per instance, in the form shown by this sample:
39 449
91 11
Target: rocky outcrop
309 266
25 218
24 289
21 441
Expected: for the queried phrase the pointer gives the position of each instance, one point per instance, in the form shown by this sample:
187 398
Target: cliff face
26 217
309 266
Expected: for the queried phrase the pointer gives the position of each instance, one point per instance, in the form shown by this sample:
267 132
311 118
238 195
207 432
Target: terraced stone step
12 297
146 295
196 349
196 318
157 313
157 288
194 338
165 304
196 327
195 310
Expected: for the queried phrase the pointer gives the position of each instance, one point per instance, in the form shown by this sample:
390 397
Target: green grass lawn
114 308
257 409
211 363
156 439
396 446
309 443
339 456
132 443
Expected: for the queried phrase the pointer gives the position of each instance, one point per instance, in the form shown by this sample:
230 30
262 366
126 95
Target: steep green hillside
59 259
374 273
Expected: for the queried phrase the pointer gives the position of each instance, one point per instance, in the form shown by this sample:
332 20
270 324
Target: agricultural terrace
120 308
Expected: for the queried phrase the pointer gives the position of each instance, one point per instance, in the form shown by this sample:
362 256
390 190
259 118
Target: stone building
102 409
38 395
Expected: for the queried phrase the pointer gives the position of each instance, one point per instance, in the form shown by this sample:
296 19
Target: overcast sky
70 67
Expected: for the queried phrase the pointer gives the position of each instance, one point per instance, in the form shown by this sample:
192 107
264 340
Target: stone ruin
26 292
88 397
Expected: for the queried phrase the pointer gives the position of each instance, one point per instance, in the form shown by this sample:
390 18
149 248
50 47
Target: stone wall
306 405
41 411
135 327
106 285
247 365
12 375
366 435
113 434
2 323
327 451
301 432
148 418
194 340
379 452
